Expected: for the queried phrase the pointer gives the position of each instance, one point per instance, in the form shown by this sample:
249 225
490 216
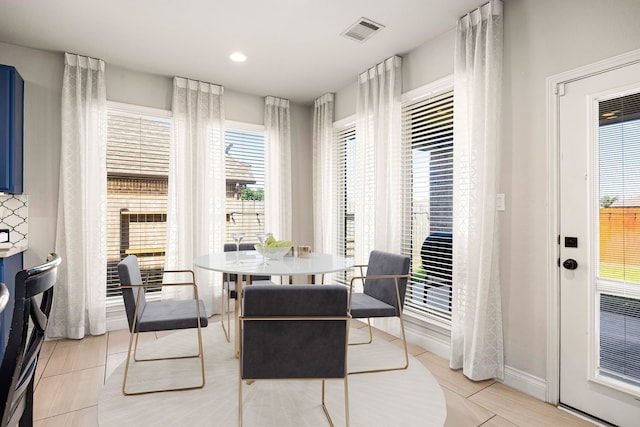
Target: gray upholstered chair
148 316
384 288
294 332
229 287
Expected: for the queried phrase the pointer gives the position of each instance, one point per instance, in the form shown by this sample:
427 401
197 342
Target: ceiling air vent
362 30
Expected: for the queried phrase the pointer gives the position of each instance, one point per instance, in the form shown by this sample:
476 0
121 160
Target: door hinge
558 262
560 89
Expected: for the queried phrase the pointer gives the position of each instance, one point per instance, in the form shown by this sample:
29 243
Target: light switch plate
4 236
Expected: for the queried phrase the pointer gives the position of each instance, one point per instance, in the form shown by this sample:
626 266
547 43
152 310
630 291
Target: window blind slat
619 239
244 152
137 178
428 133
345 147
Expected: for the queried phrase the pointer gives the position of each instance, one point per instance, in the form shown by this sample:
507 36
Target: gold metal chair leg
404 344
240 394
200 355
324 407
126 368
346 400
370 335
226 330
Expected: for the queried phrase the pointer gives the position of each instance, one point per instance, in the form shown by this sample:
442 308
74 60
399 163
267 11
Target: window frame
246 127
428 91
114 303
341 127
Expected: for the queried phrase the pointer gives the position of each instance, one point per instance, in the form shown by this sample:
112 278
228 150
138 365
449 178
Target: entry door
599 125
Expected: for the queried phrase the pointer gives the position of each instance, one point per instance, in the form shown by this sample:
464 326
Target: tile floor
71 374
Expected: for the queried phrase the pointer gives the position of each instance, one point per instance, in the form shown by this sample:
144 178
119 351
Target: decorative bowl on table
273 252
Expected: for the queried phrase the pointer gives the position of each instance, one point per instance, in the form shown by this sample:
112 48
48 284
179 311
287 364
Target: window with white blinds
427 129
244 162
345 141
137 177
618 281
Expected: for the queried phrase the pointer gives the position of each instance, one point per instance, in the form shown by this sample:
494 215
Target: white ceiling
294 47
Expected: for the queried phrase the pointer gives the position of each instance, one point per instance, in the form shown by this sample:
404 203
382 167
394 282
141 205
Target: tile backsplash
14 217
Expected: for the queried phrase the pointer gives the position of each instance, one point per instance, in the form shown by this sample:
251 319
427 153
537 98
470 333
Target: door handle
570 264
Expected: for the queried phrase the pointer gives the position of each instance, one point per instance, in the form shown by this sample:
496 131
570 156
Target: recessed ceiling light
238 57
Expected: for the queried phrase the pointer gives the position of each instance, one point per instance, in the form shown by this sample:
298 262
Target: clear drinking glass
262 238
237 237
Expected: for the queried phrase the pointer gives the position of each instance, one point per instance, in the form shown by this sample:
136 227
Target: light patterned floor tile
413 349
40 367
462 412
69 392
75 355
72 374
452 379
118 341
498 421
113 361
523 410
355 323
47 348
87 417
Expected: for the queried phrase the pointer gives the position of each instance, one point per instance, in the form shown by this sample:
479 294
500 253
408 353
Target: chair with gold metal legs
229 288
294 332
384 288
149 316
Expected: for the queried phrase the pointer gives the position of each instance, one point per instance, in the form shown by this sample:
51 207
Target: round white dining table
251 263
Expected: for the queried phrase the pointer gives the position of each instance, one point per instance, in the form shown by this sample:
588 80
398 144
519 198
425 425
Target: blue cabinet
11 129
9 266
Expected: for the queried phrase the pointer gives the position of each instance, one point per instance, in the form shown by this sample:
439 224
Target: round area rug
407 398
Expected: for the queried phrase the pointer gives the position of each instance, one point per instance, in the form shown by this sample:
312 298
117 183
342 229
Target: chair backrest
437 258
21 356
231 247
296 348
385 263
129 274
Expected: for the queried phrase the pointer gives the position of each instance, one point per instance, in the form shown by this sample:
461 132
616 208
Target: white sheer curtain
197 187
79 303
378 201
324 176
476 332
277 168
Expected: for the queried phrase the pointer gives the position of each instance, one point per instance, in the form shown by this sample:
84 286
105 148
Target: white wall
541 38
42 72
301 174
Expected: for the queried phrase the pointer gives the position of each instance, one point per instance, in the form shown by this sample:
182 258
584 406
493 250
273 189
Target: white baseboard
526 383
433 341
438 341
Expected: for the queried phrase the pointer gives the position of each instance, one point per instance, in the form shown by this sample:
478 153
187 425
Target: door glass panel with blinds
137 178
428 235
618 277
